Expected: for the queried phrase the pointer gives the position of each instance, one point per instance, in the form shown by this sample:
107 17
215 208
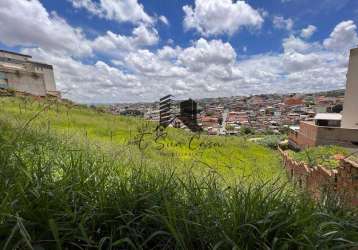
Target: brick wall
310 135
347 180
338 136
306 136
317 180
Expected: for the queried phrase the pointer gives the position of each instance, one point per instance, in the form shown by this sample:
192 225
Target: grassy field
228 156
72 178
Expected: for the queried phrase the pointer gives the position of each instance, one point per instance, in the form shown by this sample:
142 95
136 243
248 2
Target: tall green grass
235 157
58 192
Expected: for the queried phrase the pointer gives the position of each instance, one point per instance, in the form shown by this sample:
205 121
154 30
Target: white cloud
180 85
164 20
83 82
119 10
214 17
27 23
144 62
162 64
309 31
168 52
205 53
117 44
295 61
280 22
293 43
133 70
343 37
145 36
87 4
207 68
211 68
201 68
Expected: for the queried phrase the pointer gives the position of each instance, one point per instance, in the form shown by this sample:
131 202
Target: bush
246 130
272 141
229 127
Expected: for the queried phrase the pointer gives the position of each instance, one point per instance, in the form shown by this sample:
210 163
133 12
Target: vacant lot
72 178
228 156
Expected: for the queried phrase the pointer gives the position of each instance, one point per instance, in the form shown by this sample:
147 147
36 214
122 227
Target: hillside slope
67 181
228 156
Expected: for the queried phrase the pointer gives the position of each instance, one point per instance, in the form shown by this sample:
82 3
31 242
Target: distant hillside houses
18 72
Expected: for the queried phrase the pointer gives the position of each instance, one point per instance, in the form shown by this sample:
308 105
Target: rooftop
328 116
294 128
14 53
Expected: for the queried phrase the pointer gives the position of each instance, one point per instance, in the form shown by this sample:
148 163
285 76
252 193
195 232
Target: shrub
272 141
246 130
229 127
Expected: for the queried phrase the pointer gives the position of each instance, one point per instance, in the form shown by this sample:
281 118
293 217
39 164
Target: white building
20 73
350 108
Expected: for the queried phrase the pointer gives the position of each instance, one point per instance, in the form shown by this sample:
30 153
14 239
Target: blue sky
130 50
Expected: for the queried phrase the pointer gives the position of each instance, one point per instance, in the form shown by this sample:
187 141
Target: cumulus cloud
343 37
88 82
293 43
214 17
144 62
280 22
295 61
117 44
206 68
309 31
205 53
121 11
33 26
27 23
211 68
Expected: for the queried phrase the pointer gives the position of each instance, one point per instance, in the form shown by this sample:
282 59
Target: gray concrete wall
13 56
350 109
26 82
24 75
49 79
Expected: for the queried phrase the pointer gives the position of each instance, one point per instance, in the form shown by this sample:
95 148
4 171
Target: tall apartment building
165 110
20 73
188 115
